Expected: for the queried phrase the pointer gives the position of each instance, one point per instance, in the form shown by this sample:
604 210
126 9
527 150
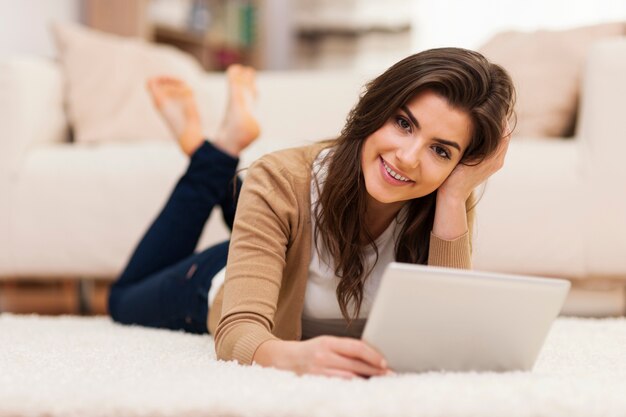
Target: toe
155 92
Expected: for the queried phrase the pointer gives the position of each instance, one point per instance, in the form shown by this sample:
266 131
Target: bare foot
174 100
239 127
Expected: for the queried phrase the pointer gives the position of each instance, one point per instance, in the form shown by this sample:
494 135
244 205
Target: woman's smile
393 175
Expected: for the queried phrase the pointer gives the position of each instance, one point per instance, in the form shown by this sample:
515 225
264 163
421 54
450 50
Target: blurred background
297 34
79 182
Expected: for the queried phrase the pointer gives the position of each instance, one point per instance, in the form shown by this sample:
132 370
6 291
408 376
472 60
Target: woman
316 226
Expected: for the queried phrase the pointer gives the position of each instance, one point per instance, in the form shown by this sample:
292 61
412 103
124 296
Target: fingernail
383 363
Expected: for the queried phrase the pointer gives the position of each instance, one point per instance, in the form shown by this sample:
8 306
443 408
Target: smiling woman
316 226
422 122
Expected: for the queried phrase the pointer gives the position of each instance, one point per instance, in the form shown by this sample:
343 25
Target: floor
54 297
89 297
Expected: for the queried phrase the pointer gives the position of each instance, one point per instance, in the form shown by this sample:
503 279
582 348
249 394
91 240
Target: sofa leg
85 291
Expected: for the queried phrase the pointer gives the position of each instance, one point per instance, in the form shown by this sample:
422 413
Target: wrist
271 353
451 198
450 217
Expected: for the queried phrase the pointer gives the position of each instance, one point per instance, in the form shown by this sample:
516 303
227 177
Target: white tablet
439 319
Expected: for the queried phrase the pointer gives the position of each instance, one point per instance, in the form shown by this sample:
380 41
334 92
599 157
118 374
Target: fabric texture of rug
71 366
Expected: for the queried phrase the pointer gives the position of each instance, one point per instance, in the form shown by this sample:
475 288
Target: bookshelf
217 32
267 34
343 34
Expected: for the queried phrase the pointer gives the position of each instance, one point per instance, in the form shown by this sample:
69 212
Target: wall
24 24
468 24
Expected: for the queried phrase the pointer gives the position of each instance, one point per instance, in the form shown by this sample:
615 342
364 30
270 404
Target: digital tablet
439 319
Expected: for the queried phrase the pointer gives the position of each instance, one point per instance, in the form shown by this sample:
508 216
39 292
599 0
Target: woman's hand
465 178
324 355
450 215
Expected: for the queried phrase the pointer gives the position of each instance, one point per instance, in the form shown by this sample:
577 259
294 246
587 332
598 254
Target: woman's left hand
465 178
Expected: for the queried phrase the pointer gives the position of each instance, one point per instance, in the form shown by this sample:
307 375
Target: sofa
76 209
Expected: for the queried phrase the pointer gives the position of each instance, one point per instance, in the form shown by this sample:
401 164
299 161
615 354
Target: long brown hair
468 82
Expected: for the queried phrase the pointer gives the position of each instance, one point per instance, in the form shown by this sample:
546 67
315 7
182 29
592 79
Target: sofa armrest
603 140
31 112
31 107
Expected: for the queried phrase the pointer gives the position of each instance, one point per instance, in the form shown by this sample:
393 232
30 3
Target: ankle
190 141
225 145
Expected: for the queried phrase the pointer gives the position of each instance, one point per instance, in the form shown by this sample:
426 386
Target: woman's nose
409 154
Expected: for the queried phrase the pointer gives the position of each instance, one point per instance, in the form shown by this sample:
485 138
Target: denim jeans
165 283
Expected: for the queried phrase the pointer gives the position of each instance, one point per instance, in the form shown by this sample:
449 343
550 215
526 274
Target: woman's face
413 153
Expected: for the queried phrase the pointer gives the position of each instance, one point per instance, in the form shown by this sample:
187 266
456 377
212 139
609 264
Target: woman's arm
450 217
266 208
450 238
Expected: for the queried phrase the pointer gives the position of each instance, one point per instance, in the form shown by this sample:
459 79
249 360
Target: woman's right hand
324 355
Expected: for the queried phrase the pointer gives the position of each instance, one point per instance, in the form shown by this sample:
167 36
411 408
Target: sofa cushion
104 196
105 79
530 218
546 67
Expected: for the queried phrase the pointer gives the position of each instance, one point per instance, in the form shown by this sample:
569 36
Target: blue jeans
165 283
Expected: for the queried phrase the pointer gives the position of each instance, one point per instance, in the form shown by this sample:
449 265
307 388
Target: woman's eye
442 152
403 123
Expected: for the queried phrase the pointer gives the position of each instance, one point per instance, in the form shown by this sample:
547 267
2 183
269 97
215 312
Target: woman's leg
174 234
229 203
165 253
173 298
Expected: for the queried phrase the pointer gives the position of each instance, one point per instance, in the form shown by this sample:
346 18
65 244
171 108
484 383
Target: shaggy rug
71 366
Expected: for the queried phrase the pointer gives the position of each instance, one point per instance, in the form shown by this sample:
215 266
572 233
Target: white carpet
72 366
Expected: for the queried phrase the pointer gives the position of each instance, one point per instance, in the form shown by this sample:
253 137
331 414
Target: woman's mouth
391 176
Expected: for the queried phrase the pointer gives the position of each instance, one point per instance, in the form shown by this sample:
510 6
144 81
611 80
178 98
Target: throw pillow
546 67
105 78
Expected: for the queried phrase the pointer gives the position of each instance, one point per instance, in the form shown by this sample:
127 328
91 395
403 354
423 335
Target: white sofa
557 208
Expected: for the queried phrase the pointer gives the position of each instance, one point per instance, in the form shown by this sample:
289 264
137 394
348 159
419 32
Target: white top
216 284
320 301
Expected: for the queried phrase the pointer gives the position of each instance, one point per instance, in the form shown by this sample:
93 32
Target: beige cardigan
270 250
